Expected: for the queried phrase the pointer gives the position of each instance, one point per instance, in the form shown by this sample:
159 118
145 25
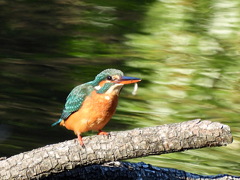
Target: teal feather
104 88
74 100
54 124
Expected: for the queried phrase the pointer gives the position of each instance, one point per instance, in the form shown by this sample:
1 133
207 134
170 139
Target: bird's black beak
128 80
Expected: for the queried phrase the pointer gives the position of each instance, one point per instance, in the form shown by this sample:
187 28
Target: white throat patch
115 89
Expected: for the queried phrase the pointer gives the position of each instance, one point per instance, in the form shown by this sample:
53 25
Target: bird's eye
109 78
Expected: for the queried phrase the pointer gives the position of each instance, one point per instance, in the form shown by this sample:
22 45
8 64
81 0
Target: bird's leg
100 132
80 140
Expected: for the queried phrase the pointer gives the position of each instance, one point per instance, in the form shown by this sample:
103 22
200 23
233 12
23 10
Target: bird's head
112 80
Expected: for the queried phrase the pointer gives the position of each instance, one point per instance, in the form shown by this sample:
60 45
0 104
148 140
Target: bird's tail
54 124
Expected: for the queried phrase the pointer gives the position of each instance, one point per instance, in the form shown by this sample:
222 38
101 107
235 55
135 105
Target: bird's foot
80 140
100 132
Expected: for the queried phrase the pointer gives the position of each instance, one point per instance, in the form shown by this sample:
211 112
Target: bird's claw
80 140
104 133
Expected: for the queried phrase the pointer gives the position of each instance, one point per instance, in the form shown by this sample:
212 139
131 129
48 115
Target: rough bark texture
56 158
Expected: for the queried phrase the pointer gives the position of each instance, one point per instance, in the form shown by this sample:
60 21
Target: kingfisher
91 105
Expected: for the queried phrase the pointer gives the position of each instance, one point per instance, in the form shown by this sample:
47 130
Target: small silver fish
134 92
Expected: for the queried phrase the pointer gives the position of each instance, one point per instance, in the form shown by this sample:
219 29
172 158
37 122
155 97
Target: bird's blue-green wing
74 100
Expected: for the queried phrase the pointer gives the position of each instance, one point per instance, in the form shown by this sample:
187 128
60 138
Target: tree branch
56 158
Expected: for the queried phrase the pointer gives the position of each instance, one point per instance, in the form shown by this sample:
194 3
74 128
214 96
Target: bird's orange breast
94 114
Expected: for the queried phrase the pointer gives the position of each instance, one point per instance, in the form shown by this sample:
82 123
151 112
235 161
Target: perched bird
90 106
